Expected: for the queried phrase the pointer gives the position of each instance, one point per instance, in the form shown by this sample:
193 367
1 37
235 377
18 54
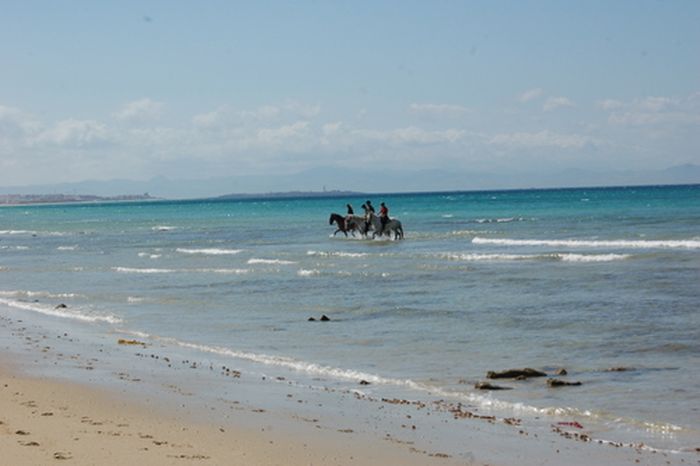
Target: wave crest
574 243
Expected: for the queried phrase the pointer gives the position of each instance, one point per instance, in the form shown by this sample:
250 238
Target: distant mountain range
325 180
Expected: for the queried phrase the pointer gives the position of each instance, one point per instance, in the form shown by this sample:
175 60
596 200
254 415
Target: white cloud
282 135
412 135
530 95
539 139
75 133
211 119
303 110
650 111
331 128
290 108
16 124
610 104
438 109
140 110
656 104
265 112
554 103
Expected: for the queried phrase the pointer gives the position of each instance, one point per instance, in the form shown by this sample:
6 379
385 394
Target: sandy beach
126 413
47 421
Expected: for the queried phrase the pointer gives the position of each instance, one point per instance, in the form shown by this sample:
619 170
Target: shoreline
132 415
137 402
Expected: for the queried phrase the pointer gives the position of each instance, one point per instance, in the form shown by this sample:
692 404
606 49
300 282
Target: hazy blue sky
136 89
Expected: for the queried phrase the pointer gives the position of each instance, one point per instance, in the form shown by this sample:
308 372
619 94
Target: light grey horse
392 226
357 222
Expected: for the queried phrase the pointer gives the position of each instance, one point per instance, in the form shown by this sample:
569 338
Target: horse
351 225
392 226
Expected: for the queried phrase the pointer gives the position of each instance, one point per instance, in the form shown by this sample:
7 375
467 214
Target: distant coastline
289 195
28 199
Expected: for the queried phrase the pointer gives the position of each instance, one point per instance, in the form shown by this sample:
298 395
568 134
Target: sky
193 90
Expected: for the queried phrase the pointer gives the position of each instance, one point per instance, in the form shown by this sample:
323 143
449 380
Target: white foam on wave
336 254
28 294
163 228
591 257
33 233
146 271
150 256
65 313
223 271
210 251
17 232
316 370
630 244
568 257
67 248
486 257
308 272
15 248
165 271
500 220
270 261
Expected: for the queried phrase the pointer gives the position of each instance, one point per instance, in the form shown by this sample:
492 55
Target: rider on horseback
369 210
383 216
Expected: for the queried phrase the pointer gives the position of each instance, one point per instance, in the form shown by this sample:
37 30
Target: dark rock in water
364 382
515 373
619 369
489 386
325 318
561 383
61 306
311 319
561 371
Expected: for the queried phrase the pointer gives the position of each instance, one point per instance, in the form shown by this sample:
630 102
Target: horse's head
330 220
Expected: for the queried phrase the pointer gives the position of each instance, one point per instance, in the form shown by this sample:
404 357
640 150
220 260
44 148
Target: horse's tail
399 230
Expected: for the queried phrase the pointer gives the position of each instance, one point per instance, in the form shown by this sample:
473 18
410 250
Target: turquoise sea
581 279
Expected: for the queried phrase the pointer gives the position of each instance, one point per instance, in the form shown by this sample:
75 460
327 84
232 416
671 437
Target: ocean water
582 279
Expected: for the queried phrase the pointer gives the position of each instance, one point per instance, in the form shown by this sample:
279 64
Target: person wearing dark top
350 211
369 210
383 216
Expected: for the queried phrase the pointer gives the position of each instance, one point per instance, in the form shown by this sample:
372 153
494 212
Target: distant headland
24 199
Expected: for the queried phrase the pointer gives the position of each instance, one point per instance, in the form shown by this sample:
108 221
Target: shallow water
586 279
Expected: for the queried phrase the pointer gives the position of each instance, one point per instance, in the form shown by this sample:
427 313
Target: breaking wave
164 271
270 261
336 254
524 257
210 251
62 312
630 244
351 375
500 220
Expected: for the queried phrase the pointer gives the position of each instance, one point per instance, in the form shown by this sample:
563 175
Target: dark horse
342 224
